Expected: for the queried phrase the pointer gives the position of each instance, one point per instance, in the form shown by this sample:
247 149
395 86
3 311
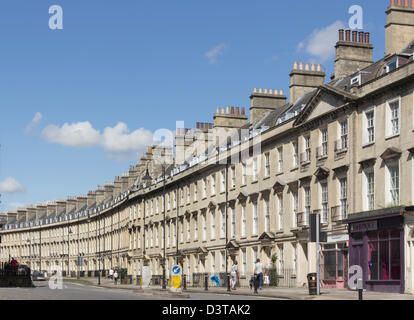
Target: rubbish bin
312 284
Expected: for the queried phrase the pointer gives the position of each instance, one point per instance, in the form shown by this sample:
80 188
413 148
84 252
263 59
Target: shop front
377 245
334 269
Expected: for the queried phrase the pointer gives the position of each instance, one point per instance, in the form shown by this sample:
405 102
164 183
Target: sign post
176 277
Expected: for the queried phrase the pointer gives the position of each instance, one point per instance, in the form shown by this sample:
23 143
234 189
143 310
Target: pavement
272 293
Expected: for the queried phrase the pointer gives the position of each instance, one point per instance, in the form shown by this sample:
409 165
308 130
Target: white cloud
11 185
80 134
38 116
321 42
118 141
213 54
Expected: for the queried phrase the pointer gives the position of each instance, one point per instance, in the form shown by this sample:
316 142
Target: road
72 291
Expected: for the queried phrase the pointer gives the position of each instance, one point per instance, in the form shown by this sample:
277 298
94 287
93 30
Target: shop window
384 259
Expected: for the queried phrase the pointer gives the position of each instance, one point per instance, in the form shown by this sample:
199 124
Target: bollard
206 283
228 283
360 287
184 282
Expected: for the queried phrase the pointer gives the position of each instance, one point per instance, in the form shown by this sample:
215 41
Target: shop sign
364 226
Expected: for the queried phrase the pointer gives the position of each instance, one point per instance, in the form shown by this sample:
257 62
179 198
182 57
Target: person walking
116 277
111 274
258 271
234 275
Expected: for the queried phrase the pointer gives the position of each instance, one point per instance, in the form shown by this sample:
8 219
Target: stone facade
343 149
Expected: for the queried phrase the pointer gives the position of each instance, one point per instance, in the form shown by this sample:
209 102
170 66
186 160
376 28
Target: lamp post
148 179
164 284
69 232
78 272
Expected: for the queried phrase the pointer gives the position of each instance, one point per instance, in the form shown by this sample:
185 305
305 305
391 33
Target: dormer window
356 80
392 65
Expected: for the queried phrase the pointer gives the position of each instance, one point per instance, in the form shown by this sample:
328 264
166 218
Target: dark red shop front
377 245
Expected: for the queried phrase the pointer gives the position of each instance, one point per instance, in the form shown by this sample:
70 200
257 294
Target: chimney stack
264 100
399 30
352 56
229 119
305 79
81 203
40 211
91 198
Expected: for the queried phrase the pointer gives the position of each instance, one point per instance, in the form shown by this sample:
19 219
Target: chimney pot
227 110
361 37
367 40
232 110
301 66
237 111
255 90
354 36
341 35
348 35
295 66
243 111
281 92
260 90
210 126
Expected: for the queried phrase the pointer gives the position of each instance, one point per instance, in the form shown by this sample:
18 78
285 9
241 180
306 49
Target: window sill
279 173
266 178
254 182
294 169
369 144
243 185
392 137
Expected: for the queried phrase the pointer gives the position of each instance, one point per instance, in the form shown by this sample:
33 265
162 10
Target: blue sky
120 70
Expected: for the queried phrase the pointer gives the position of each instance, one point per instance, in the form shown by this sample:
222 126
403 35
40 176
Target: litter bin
312 284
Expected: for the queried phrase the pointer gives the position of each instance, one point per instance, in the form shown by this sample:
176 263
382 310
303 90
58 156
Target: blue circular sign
176 270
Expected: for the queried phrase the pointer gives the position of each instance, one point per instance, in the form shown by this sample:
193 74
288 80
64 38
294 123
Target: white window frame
223 181
267 215
244 221
324 142
366 129
324 202
389 184
255 169
267 164
343 196
390 119
307 147
233 222
366 190
280 211
280 159
204 227
343 134
212 225
222 224
255 219
295 198
295 146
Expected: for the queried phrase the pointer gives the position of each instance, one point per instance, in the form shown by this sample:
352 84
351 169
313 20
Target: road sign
176 270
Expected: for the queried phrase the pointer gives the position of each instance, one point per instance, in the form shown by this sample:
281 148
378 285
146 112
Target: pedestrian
234 275
258 271
111 274
116 277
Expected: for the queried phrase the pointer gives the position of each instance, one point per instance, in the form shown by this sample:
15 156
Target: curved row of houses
238 190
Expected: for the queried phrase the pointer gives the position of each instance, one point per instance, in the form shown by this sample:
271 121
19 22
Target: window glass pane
373 260
357 236
329 246
395 234
373 235
383 234
330 265
384 260
340 265
395 260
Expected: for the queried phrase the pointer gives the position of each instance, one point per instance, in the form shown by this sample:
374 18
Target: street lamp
69 233
148 179
164 284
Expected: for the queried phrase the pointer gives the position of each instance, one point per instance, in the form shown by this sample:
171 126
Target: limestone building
242 189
